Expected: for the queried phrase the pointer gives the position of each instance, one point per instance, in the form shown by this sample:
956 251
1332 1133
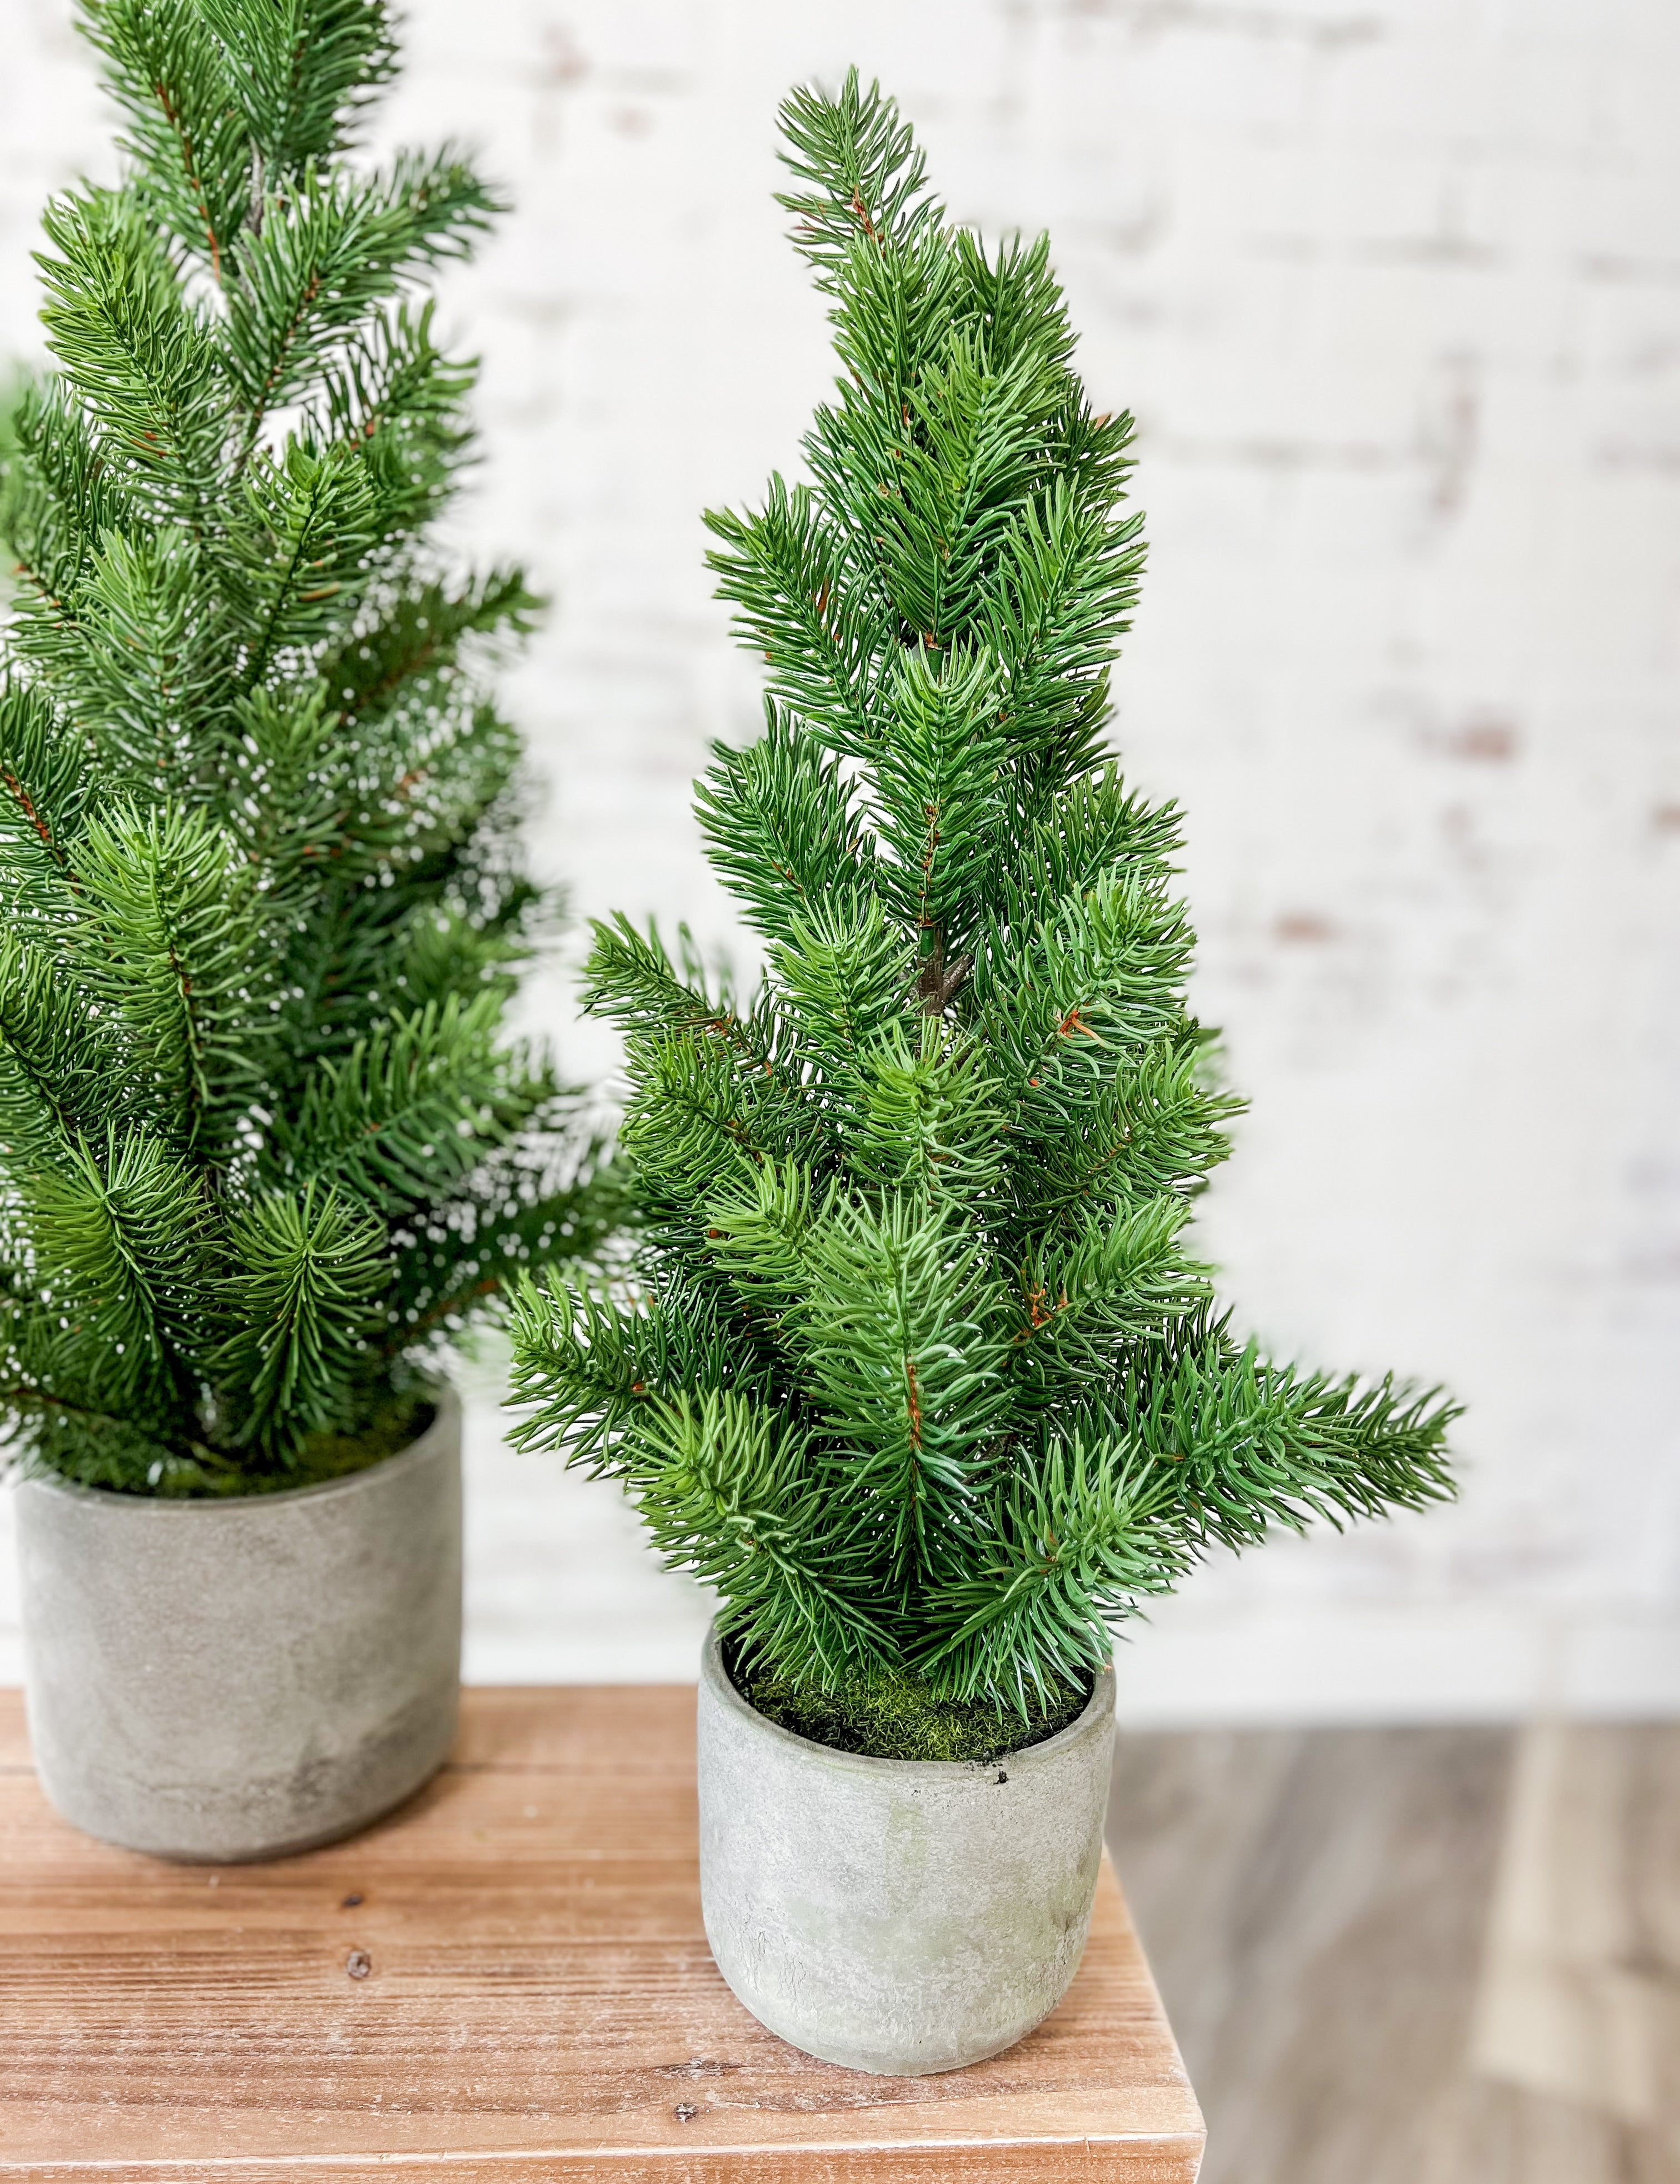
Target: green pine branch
301 72
305 1272
172 951
730 1494
783 829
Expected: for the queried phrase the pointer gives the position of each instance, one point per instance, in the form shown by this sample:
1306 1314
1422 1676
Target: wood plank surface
1417 1955
508 1979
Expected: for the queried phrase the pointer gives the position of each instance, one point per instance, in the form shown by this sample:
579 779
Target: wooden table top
507 1981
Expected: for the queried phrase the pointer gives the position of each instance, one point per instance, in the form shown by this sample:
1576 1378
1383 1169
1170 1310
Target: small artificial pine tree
916 1369
262 1143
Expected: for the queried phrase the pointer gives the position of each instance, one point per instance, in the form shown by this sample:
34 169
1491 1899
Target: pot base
377 1778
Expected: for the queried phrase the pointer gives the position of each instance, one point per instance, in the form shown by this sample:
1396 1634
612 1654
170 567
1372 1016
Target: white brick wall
1393 288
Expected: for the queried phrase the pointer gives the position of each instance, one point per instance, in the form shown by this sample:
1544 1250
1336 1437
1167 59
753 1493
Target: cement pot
226 1681
899 1916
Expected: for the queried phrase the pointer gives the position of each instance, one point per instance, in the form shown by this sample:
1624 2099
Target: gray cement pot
898 1916
225 1680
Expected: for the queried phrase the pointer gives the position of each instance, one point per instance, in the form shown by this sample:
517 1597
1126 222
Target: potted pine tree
264 1142
915 1368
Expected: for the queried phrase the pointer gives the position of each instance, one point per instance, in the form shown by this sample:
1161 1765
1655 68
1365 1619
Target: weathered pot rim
1100 1705
445 1421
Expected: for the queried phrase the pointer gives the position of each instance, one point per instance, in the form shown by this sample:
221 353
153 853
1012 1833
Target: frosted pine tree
262 1142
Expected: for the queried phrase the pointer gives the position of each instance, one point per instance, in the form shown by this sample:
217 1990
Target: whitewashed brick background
1394 289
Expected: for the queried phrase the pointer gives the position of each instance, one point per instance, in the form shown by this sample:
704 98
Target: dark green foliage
262 1141
916 1368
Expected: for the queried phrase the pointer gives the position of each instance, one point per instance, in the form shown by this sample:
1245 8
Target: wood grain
1417 1955
1579 1997
1331 1890
535 2000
